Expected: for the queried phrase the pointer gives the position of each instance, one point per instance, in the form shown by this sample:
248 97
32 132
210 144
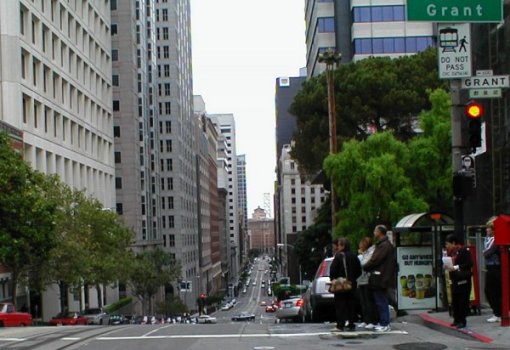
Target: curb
443 325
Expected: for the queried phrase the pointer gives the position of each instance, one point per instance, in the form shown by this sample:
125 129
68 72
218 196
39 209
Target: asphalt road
261 334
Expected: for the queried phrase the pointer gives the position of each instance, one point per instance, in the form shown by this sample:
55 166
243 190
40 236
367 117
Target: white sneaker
382 329
371 326
362 325
494 319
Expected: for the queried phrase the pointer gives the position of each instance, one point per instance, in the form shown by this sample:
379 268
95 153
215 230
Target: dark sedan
243 316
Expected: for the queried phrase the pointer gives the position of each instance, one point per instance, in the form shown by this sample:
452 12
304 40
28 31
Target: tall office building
56 89
243 206
136 120
178 185
226 125
359 29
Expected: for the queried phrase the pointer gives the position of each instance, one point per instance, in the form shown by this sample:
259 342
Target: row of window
368 46
394 13
40 117
64 93
40 34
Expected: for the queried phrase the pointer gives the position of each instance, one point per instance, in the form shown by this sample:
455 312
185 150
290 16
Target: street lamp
281 245
331 59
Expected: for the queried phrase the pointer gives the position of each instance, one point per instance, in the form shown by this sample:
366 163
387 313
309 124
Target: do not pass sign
454 50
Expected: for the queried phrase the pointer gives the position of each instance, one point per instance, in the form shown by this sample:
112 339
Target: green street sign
451 11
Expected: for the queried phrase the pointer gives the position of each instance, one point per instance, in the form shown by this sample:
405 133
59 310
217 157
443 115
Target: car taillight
323 269
299 302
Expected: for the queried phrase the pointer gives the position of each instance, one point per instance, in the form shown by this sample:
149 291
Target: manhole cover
420 346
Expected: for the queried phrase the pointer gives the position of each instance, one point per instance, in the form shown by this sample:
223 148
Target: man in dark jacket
382 275
460 277
345 302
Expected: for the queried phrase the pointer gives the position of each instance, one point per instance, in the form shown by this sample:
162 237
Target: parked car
243 316
96 316
206 319
318 301
291 308
118 319
69 318
9 317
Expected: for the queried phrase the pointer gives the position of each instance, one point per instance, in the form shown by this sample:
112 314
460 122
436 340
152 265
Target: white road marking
195 336
12 339
156 330
71 338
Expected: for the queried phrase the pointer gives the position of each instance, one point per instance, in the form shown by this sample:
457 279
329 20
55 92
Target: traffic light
474 112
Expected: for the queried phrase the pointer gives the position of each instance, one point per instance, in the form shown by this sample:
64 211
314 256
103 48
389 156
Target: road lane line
198 336
70 338
155 330
13 339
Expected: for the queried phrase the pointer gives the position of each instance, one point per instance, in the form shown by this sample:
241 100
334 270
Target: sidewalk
477 327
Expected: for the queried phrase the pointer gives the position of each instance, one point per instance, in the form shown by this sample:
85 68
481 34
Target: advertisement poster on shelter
416 286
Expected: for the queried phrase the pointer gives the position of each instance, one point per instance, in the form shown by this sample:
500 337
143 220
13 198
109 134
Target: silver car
319 304
291 308
96 316
206 319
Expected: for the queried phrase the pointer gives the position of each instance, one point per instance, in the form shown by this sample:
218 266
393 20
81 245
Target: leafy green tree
371 94
172 305
26 215
371 180
430 168
150 270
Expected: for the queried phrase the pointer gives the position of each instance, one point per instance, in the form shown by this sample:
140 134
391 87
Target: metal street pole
331 58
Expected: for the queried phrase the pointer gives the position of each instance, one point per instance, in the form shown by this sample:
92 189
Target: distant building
261 232
242 205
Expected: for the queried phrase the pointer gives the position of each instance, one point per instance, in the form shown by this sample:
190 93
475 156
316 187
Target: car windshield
92 311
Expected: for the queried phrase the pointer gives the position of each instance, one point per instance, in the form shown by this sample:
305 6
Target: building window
116 131
165 14
116 105
166 51
118 158
168 127
171 241
165 33
166 68
113 29
118 183
168 108
326 24
115 80
115 55
171 221
120 208
167 89
368 46
113 5
394 13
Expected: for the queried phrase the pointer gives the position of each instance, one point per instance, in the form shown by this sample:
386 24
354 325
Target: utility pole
331 59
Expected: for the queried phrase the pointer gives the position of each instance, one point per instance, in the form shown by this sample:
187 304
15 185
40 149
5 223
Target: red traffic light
203 296
474 110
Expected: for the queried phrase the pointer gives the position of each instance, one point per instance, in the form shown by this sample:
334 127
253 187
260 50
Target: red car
9 317
68 319
270 308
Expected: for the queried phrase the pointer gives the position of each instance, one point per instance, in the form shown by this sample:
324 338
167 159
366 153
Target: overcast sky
240 47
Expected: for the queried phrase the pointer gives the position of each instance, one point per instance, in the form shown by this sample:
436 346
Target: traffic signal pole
457 117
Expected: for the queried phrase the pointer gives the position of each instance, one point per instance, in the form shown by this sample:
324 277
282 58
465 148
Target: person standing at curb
382 275
370 318
460 277
345 264
493 274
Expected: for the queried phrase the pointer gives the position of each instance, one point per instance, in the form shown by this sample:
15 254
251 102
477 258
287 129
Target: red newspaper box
502 230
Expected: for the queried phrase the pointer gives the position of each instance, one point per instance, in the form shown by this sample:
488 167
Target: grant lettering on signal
454 11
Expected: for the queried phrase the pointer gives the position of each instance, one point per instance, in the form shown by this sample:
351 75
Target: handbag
341 284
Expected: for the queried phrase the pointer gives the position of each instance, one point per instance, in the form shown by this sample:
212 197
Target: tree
151 270
25 213
371 181
373 94
431 166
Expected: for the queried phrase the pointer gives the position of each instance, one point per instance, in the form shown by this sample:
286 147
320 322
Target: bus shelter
419 240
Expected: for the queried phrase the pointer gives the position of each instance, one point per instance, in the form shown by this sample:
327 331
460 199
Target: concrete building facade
243 206
56 88
261 232
362 28
226 125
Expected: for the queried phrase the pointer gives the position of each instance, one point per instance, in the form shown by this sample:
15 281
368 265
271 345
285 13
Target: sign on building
451 11
454 50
